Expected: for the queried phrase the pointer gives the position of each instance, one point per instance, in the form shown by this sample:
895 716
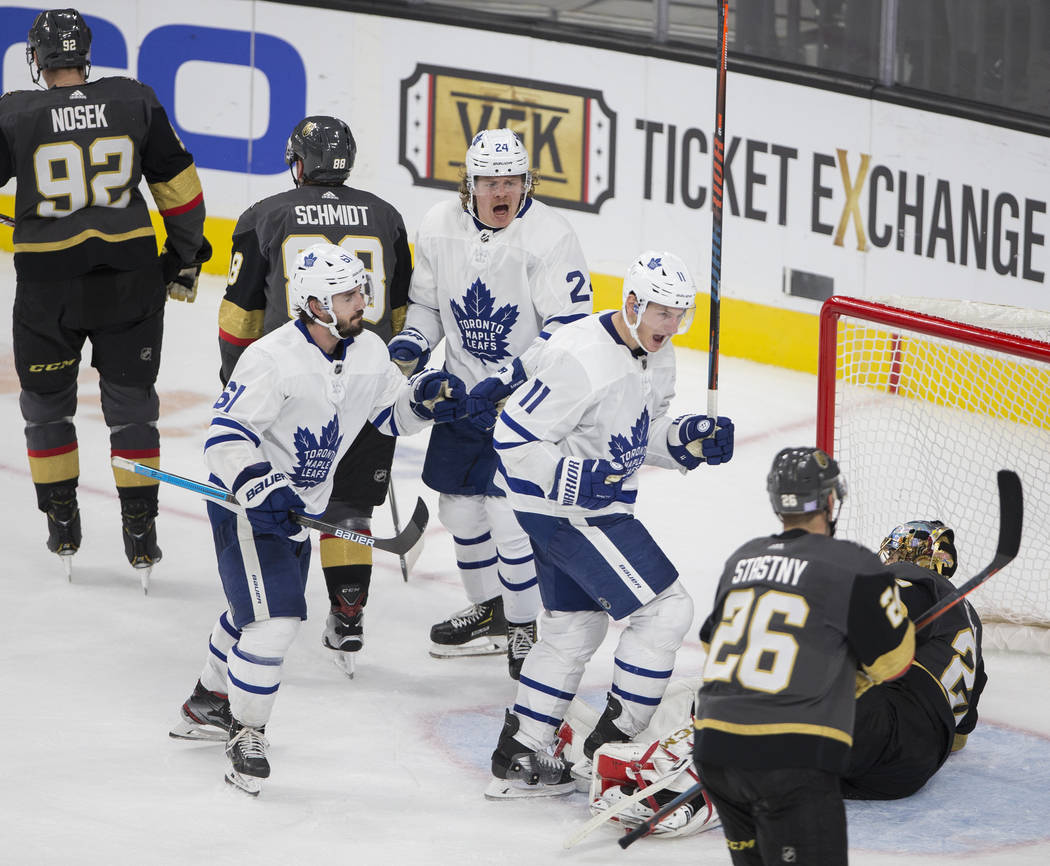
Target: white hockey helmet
659 278
497 153
321 271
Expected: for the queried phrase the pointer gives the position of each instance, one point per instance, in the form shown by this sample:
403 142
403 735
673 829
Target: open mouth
501 209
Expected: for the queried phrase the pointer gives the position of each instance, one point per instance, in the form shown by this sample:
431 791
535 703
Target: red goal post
922 401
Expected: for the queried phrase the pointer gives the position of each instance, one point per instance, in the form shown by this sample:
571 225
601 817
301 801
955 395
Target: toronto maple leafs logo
654 263
309 259
631 452
315 458
485 333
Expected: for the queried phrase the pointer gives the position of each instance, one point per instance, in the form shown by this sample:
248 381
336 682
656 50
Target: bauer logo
570 132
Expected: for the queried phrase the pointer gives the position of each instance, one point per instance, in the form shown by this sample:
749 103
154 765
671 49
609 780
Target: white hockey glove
591 484
409 350
690 440
486 399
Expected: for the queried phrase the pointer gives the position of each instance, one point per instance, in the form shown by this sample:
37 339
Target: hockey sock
223 637
253 669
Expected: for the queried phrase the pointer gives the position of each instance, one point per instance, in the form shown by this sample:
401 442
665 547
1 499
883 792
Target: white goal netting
922 402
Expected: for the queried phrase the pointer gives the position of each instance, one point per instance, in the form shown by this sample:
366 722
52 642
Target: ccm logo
269 481
54 365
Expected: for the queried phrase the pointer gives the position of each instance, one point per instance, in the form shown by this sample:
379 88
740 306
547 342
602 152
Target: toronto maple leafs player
295 401
570 443
496 273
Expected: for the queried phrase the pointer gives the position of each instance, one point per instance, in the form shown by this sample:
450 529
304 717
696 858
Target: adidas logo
329 194
77 94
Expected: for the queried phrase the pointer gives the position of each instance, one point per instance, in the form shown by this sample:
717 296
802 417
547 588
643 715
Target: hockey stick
397 526
399 544
1011 518
717 171
5 220
597 820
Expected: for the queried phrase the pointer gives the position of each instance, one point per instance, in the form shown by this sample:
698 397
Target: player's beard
353 327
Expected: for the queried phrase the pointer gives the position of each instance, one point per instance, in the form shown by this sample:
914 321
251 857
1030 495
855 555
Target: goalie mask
322 271
800 481
497 153
325 146
61 39
658 278
928 543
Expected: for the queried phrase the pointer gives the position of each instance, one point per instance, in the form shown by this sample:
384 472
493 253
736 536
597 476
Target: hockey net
922 401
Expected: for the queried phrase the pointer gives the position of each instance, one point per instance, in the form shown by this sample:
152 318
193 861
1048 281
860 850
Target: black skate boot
521 772
246 749
604 732
140 536
520 639
63 525
478 630
204 716
344 630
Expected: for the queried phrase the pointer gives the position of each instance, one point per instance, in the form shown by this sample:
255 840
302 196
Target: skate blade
67 564
184 730
345 663
144 570
509 789
489 646
250 785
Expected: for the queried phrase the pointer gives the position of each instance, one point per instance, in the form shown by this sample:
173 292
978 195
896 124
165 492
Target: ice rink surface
388 768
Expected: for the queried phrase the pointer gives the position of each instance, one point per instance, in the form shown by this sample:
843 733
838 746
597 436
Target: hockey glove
438 396
691 442
409 350
180 277
269 500
589 484
486 399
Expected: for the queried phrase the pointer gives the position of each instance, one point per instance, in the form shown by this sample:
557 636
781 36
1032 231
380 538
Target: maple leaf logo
315 457
485 333
631 451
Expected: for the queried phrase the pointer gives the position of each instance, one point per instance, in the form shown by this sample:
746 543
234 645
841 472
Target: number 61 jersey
796 615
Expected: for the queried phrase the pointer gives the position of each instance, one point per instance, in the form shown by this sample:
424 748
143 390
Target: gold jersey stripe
180 190
896 661
240 323
80 237
765 730
337 551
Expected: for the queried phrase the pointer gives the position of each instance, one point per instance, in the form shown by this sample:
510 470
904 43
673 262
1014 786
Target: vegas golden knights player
321 207
905 730
86 262
797 618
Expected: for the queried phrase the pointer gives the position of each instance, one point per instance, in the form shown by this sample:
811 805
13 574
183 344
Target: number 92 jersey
795 616
78 154
270 234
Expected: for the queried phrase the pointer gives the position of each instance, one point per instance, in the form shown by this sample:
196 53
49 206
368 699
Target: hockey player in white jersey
496 273
570 442
294 403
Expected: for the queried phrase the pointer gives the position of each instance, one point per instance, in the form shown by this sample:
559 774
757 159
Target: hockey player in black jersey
797 617
268 236
87 268
905 730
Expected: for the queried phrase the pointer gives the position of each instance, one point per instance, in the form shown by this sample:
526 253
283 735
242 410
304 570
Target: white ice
388 768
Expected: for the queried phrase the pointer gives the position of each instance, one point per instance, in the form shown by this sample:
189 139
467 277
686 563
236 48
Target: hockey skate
63 526
604 731
204 716
345 634
478 630
246 749
694 816
140 537
520 639
521 772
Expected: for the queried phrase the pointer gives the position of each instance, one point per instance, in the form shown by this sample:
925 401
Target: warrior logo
631 452
485 333
315 457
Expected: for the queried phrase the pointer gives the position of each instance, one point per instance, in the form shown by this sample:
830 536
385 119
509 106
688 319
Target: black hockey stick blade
646 827
1011 519
399 544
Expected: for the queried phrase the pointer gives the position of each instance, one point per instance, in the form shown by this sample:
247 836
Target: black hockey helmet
928 543
801 479
326 147
61 39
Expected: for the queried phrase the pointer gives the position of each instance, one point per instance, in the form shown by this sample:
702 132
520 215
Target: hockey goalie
660 766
